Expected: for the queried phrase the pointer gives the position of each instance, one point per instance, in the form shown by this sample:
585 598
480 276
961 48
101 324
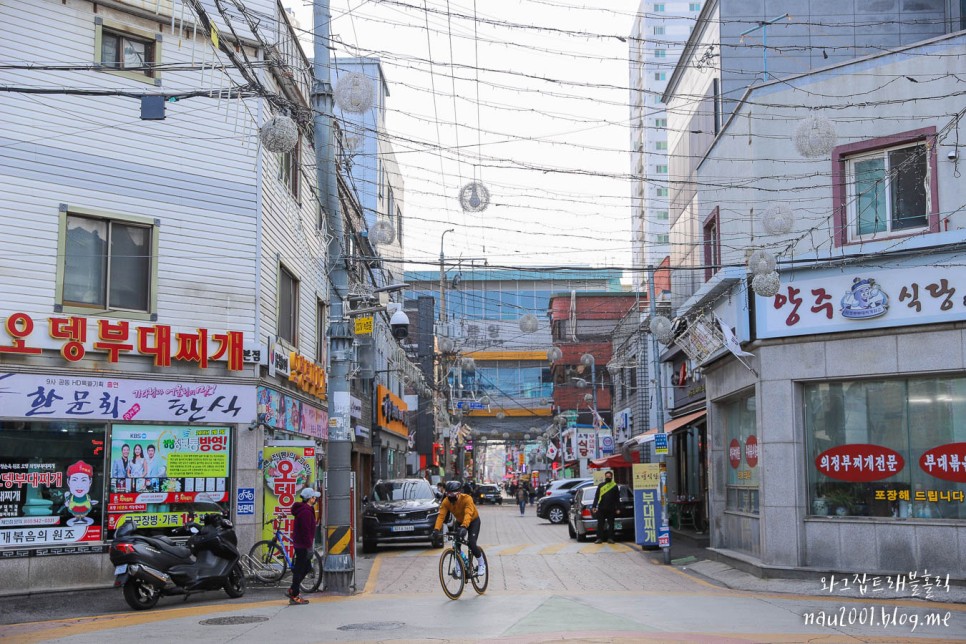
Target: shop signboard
95 398
156 471
660 443
647 507
286 470
50 486
281 411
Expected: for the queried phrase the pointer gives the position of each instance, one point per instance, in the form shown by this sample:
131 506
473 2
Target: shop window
109 262
52 482
886 448
742 453
183 468
886 187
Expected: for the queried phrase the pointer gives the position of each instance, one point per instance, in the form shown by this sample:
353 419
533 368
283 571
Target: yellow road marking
512 550
554 549
373 576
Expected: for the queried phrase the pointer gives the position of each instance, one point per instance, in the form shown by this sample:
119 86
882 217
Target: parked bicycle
456 567
270 559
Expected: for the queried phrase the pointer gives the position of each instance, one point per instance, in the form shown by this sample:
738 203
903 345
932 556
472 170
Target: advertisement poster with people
286 471
51 483
155 471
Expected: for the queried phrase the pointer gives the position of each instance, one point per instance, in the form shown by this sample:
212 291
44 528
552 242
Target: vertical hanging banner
647 505
154 466
286 471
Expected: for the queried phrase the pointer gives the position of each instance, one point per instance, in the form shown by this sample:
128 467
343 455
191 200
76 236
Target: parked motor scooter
147 567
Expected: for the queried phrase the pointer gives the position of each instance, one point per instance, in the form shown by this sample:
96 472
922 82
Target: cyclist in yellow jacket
462 507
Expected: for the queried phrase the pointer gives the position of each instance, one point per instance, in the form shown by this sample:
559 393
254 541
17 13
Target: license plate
120 570
403 528
617 525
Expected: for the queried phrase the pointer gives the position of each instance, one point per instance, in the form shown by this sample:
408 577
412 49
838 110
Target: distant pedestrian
522 497
604 508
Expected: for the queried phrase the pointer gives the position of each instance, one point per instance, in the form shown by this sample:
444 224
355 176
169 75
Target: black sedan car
582 523
488 494
555 505
399 511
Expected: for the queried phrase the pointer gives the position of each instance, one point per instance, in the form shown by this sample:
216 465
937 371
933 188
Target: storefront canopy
610 462
670 427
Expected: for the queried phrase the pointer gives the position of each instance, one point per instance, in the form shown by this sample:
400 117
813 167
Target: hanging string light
815 136
474 197
354 92
529 323
279 134
382 232
767 284
778 220
761 262
660 327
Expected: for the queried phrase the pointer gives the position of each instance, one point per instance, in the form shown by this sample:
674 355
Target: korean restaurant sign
88 397
76 336
390 414
862 298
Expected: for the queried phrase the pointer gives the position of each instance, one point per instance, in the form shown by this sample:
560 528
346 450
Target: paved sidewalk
700 562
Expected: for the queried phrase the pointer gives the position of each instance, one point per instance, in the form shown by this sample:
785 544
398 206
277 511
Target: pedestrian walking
604 508
522 496
303 538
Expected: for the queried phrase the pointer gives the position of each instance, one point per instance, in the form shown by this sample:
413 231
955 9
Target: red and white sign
734 453
860 463
751 451
946 462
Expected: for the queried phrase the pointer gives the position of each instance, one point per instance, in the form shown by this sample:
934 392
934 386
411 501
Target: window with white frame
694 6
109 262
659 76
661 123
887 191
658 31
288 169
660 169
660 53
660 145
659 8
885 187
321 324
288 306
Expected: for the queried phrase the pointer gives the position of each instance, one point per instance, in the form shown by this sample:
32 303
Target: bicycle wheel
452 573
267 561
480 582
313 578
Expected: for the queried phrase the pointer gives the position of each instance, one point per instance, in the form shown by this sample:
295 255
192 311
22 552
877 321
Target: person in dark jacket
606 501
303 538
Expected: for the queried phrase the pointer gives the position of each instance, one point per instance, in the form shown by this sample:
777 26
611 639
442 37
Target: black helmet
452 486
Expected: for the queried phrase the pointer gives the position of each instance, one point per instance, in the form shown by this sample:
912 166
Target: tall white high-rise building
657 38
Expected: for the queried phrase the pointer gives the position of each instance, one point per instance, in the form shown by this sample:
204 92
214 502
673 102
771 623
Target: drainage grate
372 626
231 621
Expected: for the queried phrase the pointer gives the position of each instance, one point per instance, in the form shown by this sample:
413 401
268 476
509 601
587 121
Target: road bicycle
269 560
456 567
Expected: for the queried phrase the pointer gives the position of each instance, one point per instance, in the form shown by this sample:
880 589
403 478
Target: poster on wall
286 470
51 485
156 471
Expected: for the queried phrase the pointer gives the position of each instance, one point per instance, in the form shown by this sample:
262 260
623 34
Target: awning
669 427
615 460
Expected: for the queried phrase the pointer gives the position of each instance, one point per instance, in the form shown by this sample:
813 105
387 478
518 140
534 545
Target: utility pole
444 330
339 566
659 398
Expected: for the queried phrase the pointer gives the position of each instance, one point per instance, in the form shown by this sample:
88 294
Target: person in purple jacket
303 538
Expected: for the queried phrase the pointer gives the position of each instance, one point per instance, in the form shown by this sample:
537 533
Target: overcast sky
530 99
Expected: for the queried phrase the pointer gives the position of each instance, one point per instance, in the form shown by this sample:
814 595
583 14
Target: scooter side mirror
365 499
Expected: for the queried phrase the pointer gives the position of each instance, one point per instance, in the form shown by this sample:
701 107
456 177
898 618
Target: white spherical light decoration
587 360
446 345
588 398
778 220
554 354
279 134
469 364
762 262
766 285
529 323
815 136
485 400
354 92
660 327
474 197
382 232
500 416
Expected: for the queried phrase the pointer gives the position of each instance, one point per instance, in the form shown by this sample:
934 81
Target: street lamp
588 361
